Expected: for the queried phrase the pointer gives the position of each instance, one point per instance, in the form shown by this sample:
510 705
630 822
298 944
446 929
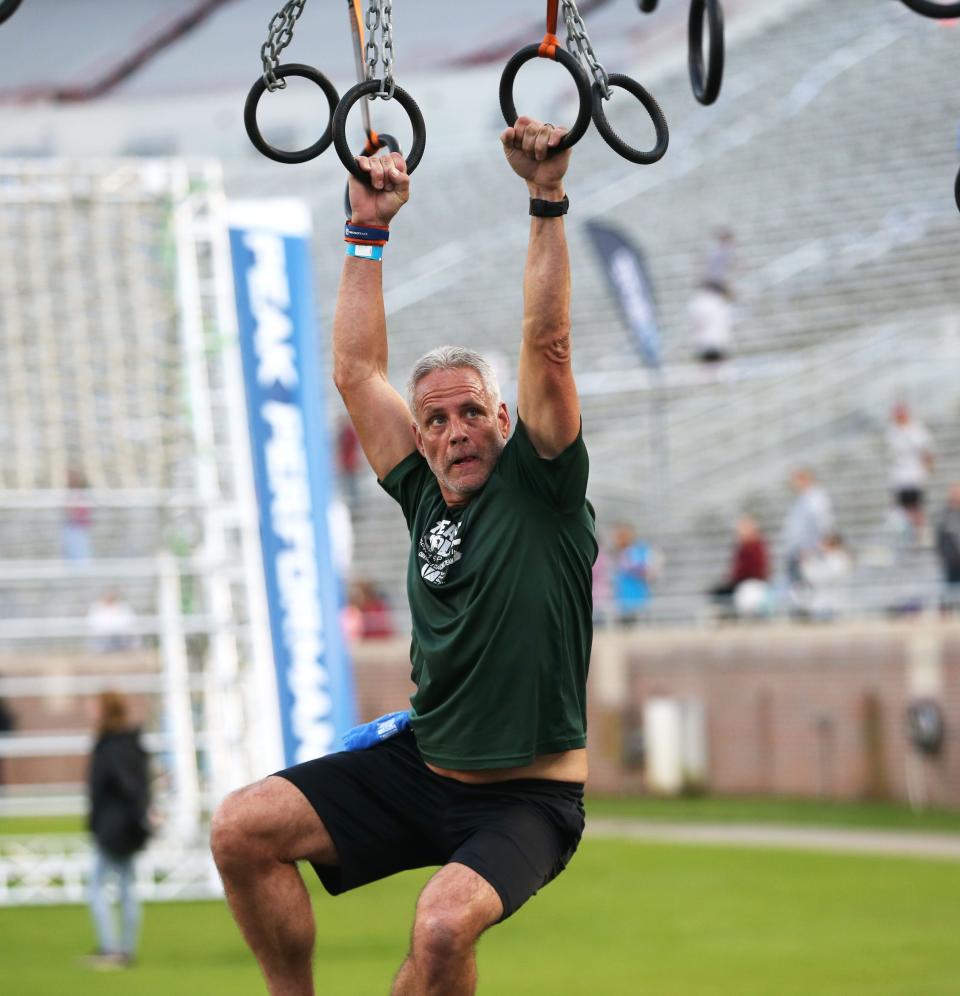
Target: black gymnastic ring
929 9
386 141
956 191
647 6
253 129
706 87
613 139
340 126
509 108
8 8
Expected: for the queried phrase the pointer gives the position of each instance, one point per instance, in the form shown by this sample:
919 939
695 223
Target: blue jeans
106 867
76 542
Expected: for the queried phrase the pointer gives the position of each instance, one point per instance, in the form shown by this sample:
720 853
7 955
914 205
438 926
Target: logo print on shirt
439 549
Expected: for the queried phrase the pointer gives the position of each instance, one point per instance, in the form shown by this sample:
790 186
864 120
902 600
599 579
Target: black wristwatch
540 208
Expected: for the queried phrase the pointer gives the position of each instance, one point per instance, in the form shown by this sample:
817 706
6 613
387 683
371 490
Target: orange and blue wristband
365 241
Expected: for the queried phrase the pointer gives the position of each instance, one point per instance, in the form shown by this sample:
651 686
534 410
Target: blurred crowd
812 576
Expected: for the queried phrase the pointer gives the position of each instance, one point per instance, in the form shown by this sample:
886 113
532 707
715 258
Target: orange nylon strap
373 144
549 46
552 17
550 43
356 18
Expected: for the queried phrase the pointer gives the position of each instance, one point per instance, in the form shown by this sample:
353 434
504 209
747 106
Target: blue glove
370 734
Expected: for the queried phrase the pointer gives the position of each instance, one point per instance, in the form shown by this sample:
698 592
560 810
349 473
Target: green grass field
626 918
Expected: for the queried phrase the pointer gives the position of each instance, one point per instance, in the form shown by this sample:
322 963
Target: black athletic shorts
909 497
386 812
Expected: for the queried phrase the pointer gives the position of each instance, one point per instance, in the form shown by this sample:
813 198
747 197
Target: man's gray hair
453 358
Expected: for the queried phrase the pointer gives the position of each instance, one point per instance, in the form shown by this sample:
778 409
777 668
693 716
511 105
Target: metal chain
577 35
279 37
372 49
379 47
388 49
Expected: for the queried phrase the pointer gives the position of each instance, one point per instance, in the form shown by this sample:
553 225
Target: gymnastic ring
340 126
706 88
8 8
509 108
613 139
647 6
956 191
384 141
253 129
928 8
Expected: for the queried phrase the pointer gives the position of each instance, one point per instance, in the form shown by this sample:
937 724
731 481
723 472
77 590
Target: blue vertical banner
269 242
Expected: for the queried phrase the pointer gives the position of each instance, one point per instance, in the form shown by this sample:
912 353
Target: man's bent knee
269 820
455 908
441 937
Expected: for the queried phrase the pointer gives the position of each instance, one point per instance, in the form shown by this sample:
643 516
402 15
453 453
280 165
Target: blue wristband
365 252
365 234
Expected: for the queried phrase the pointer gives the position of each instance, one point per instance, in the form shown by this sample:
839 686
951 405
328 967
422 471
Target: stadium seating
831 154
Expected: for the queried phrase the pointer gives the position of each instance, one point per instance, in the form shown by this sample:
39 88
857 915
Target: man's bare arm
547 394
379 414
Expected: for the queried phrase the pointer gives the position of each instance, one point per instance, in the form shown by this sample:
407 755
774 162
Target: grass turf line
704 809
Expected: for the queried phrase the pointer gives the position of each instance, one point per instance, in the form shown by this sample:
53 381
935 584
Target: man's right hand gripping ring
8 9
253 129
566 60
613 139
384 141
340 126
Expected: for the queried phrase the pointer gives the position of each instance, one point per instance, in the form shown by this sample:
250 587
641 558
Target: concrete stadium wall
809 711
814 711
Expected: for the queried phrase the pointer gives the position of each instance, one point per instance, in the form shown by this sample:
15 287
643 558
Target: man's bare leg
257 835
454 909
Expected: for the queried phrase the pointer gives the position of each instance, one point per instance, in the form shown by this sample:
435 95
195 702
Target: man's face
459 430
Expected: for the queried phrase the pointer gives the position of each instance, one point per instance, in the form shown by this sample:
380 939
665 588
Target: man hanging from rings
487 780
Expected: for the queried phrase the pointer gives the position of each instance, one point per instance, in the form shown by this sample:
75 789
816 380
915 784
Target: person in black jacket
119 800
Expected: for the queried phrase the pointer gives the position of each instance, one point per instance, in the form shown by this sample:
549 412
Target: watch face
540 208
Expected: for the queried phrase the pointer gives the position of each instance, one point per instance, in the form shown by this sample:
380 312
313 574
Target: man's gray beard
459 489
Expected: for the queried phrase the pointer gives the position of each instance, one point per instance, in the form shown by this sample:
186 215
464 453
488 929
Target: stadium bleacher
830 153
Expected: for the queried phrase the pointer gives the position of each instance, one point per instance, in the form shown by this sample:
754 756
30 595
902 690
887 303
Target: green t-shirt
500 593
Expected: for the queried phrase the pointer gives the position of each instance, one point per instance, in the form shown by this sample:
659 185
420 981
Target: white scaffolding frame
165 298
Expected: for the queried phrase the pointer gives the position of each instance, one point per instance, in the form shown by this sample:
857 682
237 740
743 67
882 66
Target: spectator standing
721 261
948 545
112 624
808 522
710 312
750 560
119 796
367 613
911 463
827 575
633 568
77 519
602 588
8 723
